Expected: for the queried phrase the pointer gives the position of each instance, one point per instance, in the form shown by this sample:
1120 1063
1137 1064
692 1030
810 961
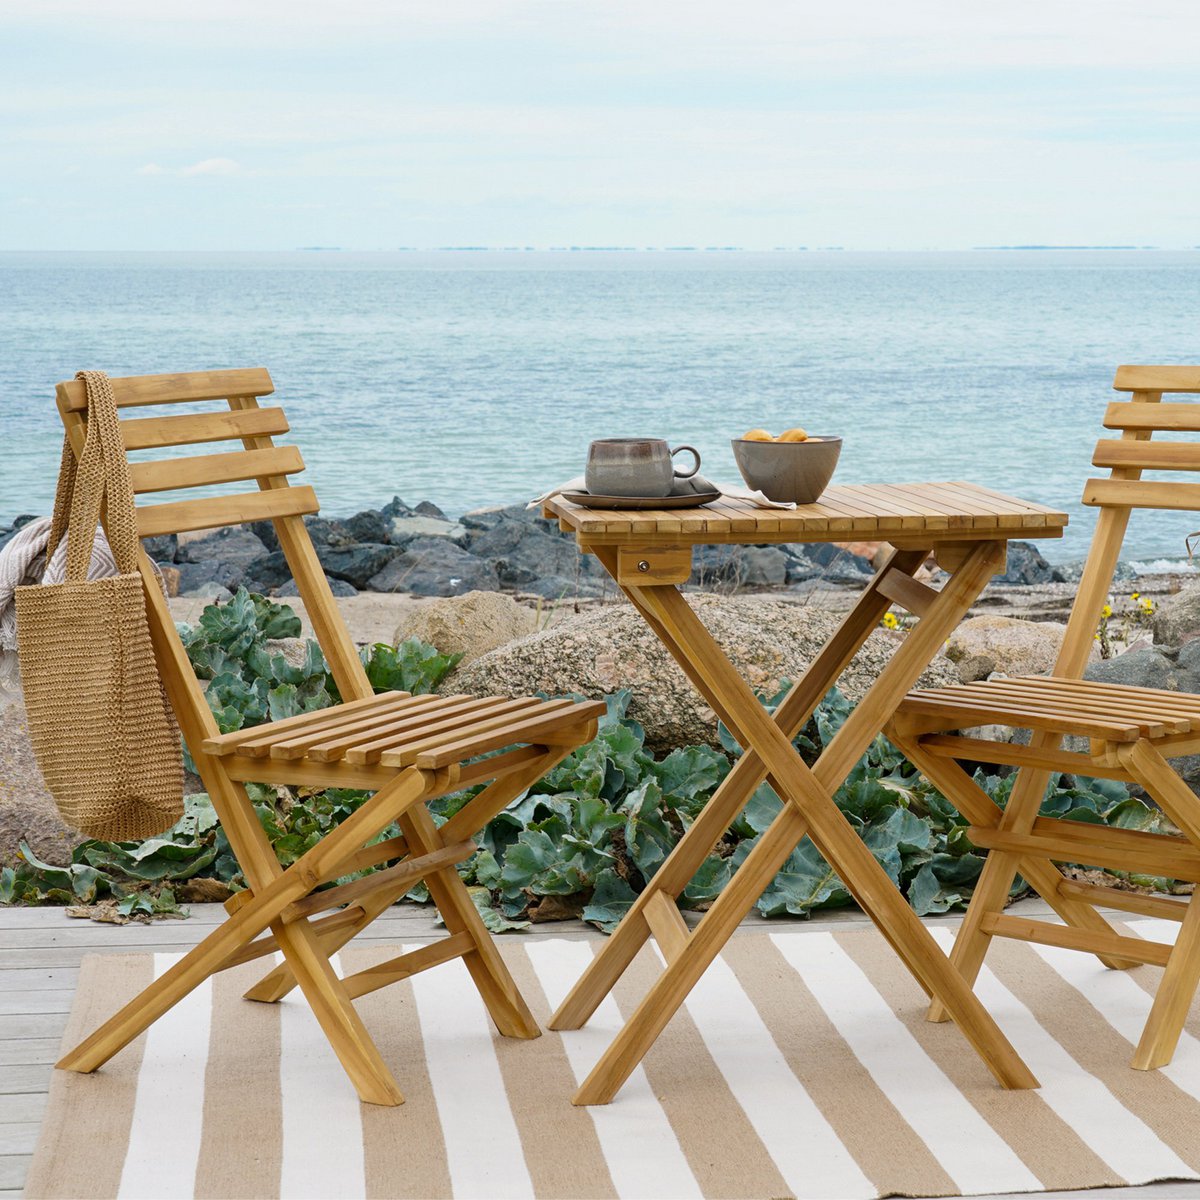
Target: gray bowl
783 471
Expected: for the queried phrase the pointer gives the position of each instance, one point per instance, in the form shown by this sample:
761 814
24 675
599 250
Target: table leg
731 797
811 809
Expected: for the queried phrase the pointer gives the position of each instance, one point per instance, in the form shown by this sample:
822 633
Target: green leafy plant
585 839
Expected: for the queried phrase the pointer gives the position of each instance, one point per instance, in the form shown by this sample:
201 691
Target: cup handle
695 465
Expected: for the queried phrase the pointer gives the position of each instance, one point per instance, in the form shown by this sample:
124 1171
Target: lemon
793 435
757 435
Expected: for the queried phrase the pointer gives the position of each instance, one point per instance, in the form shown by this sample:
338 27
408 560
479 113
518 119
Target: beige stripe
81 1148
241 1144
1044 1142
1083 1032
561 1148
866 1121
403 1148
706 1117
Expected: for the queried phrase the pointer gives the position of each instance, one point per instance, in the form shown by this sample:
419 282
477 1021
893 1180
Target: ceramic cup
639 467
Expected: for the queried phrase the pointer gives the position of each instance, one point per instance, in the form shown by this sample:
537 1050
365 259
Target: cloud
206 166
212 166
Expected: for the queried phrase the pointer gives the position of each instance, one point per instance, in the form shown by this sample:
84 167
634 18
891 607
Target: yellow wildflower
890 621
1106 612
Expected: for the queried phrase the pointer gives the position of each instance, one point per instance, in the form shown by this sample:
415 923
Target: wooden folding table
649 553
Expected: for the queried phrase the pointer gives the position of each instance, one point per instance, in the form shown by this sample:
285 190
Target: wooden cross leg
285 901
809 809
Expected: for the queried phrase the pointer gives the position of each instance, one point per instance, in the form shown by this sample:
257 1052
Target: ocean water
470 378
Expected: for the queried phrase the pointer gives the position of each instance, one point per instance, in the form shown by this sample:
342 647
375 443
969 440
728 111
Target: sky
870 124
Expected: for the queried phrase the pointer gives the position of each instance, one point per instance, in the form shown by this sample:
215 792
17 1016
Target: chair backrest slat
1139 417
136 390
194 429
1141 493
239 419
205 470
1178 418
212 512
1131 378
1149 456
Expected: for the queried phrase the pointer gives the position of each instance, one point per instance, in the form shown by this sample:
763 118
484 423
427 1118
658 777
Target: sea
477 377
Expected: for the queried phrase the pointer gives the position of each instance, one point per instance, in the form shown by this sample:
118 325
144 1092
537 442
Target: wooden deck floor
40 954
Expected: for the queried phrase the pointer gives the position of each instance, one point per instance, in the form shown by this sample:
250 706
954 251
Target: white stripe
643 1154
322 1115
804 1146
1128 1145
168 1109
1125 1005
970 1151
483 1146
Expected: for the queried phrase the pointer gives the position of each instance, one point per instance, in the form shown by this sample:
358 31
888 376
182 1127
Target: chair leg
497 987
336 1015
991 892
1173 999
496 796
1177 988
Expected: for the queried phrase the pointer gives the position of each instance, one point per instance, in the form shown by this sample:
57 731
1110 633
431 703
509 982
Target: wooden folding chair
405 749
1131 732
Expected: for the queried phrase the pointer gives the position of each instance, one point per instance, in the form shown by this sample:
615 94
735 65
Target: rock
170 578
233 545
268 573
606 649
523 548
404 529
356 563
367 526
1149 668
470 624
434 567
719 565
1027 566
265 532
27 810
428 509
766 566
339 587
826 562
981 646
162 549
1177 619
202 578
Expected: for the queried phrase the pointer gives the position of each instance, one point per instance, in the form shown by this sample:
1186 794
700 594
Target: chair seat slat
203 470
181 516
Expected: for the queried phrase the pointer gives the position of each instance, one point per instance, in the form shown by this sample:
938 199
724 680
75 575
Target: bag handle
99 477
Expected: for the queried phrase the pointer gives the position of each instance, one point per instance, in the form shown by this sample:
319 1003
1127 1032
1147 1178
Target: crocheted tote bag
102 729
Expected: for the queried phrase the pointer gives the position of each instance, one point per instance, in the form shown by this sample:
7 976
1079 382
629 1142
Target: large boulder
610 648
984 645
1177 619
434 567
470 625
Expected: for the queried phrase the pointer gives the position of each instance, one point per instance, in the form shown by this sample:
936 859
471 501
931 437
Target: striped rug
801 1066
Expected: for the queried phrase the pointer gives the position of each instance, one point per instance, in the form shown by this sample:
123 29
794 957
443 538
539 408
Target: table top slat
932 512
